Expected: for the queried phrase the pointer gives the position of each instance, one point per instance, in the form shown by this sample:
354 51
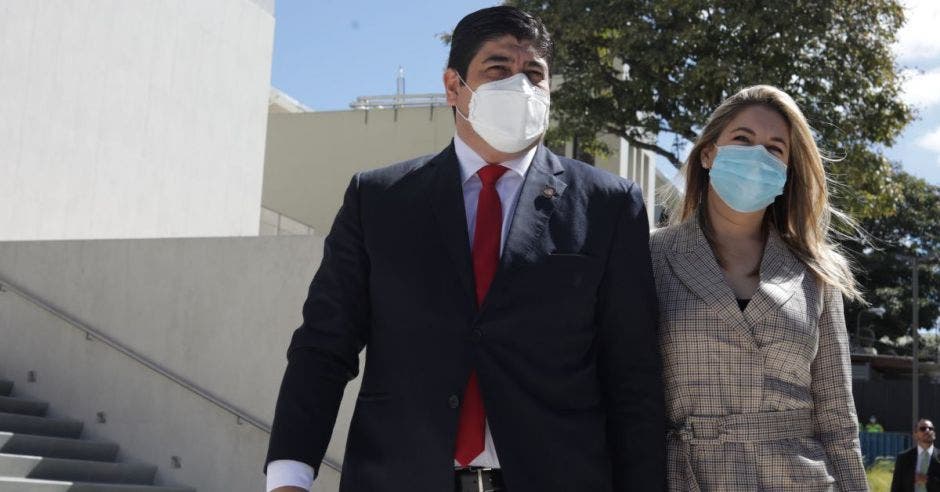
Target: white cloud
918 39
922 88
930 141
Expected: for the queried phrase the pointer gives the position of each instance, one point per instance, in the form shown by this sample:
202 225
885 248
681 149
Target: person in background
755 349
506 299
918 468
873 425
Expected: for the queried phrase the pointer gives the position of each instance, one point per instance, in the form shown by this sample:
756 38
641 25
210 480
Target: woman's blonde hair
802 214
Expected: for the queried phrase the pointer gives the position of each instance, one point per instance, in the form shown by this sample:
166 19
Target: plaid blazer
759 399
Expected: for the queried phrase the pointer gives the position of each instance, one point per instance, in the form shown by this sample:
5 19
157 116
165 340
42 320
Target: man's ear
451 86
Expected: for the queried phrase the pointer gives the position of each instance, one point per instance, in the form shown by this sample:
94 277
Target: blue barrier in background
889 444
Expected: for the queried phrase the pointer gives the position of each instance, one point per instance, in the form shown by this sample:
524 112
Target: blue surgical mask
748 179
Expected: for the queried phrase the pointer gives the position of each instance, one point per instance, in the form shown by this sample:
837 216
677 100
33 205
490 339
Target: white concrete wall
218 312
132 119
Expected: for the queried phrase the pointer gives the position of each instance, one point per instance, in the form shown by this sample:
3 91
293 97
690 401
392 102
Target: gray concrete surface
218 311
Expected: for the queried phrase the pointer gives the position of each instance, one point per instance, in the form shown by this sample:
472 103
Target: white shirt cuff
289 473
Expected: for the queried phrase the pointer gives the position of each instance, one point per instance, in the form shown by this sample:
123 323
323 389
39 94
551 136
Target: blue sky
918 52
328 52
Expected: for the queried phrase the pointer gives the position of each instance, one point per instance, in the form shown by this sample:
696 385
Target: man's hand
920 479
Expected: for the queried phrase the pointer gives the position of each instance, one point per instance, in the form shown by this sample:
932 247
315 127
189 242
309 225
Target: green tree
885 267
636 68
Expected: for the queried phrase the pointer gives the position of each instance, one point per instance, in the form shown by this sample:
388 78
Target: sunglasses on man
925 428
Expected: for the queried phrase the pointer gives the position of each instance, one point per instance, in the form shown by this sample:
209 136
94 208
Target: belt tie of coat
740 428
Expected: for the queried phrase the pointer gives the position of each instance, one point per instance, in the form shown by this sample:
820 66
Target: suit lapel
535 205
694 263
446 194
541 190
780 275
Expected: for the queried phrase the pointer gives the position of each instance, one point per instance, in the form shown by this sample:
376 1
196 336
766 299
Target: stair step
35 485
21 466
23 406
57 447
40 426
6 387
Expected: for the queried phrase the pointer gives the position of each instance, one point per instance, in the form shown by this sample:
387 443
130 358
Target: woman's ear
707 156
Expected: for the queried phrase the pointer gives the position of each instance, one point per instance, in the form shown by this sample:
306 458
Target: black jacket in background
903 480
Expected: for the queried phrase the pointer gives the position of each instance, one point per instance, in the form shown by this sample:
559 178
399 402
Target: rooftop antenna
399 99
400 84
677 146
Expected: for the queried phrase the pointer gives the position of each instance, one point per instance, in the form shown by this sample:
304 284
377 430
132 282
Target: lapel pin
549 192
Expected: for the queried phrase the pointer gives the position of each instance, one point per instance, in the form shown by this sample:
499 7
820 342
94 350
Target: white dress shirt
297 474
920 457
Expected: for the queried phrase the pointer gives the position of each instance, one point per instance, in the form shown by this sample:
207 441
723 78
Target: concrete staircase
44 454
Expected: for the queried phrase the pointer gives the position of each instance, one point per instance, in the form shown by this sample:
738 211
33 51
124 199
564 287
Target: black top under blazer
565 343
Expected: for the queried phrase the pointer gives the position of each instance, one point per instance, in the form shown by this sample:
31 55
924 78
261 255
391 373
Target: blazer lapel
780 275
694 263
536 203
446 194
541 190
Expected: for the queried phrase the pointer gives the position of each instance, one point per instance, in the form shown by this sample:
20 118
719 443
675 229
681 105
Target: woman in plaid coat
755 350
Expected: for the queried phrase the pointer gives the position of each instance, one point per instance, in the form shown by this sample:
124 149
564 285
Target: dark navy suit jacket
565 342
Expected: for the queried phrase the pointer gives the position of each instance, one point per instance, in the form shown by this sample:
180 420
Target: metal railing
399 101
274 223
94 334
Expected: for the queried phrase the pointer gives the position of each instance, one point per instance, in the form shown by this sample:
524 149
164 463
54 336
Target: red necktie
486 239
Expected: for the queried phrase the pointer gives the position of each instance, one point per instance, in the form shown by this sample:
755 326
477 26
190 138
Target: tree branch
673 159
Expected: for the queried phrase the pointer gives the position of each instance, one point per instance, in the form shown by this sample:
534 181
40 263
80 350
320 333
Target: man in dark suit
918 468
506 299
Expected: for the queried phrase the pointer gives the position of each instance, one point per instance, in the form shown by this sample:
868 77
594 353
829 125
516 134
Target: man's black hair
491 23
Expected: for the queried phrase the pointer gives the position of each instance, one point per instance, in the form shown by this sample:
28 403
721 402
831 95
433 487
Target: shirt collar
920 449
471 162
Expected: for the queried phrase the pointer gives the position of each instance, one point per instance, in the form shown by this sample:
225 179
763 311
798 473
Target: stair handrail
90 332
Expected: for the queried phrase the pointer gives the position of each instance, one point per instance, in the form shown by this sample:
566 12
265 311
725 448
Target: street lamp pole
915 322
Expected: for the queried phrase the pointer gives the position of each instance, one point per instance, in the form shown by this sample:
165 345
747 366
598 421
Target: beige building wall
635 164
311 157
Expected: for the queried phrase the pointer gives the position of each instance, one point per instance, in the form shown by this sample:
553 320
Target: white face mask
509 114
